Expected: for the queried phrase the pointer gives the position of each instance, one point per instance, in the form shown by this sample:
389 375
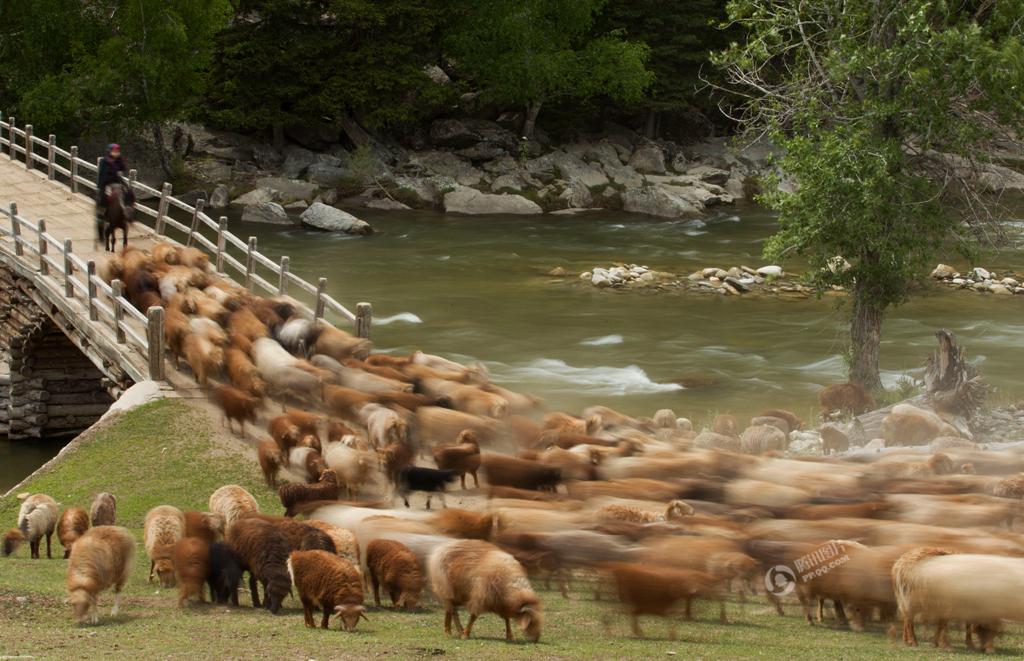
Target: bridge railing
64 273
229 253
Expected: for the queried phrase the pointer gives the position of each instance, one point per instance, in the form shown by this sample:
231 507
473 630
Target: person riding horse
114 200
110 169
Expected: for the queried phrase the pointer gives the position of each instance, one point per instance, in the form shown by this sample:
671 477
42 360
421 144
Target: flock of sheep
660 514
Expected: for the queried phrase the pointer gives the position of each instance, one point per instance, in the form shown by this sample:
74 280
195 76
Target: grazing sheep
269 455
237 405
163 527
844 398
655 590
484 579
37 518
292 494
263 550
345 543
191 565
676 510
104 510
394 567
939 585
504 471
72 525
429 480
204 525
232 502
101 558
326 581
465 524
224 573
463 456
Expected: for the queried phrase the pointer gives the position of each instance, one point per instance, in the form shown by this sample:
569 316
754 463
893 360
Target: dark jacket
109 173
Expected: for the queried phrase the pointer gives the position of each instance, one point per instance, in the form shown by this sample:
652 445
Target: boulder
196 140
514 181
978 274
436 74
255 196
758 439
771 421
311 135
603 153
323 217
679 163
219 197
771 271
624 175
656 201
907 424
708 440
425 191
482 151
501 165
447 164
649 159
709 174
472 202
298 206
573 168
323 174
266 157
468 132
387 204
944 272
296 160
266 212
577 196
288 190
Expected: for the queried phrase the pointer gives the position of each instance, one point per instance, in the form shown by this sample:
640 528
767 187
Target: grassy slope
162 453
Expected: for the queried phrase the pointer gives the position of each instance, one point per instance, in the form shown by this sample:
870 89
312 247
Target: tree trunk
161 150
651 124
530 122
278 137
865 337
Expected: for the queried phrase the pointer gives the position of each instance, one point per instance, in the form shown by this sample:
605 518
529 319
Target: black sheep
430 480
224 573
263 549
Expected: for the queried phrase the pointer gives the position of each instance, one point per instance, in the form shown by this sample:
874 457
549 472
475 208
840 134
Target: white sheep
37 518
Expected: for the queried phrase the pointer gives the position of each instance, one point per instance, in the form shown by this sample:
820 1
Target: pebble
770 271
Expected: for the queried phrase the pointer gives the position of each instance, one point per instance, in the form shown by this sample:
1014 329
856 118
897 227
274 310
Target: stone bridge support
48 385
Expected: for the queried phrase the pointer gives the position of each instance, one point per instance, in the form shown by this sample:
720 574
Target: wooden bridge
71 342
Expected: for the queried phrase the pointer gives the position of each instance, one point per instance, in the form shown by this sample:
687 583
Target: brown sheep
308 423
339 345
846 398
237 405
791 418
464 524
244 323
328 582
833 440
163 527
176 327
242 372
270 458
655 590
101 558
440 425
205 358
675 511
392 565
285 433
337 430
345 402
104 510
292 494
383 426
726 425
463 456
504 471
232 502
72 525
484 579
191 557
345 543
204 525
263 550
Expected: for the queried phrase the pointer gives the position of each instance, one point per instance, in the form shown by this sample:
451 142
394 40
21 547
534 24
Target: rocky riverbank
980 280
735 281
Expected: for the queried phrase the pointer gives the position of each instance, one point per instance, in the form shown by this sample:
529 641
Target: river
477 289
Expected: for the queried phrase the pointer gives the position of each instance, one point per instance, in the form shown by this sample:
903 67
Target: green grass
166 453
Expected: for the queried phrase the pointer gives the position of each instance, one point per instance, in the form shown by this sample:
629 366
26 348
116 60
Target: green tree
293 62
144 68
529 52
681 38
884 108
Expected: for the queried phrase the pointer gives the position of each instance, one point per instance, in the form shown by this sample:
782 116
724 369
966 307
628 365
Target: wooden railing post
222 226
321 289
19 250
115 299
28 146
155 340
282 285
250 262
364 317
133 175
50 155
161 210
44 268
195 222
90 276
13 154
69 288
74 169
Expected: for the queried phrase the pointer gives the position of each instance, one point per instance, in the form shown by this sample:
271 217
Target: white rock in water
959 281
600 281
266 212
1010 282
998 289
979 273
472 202
875 444
944 272
323 217
586 275
647 277
771 271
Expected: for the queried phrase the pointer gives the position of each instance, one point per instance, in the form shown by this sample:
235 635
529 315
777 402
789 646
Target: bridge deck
70 216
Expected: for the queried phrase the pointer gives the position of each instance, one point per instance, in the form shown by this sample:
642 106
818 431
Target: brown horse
118 215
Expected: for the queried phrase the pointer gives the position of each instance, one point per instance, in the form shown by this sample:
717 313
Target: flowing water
477 289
